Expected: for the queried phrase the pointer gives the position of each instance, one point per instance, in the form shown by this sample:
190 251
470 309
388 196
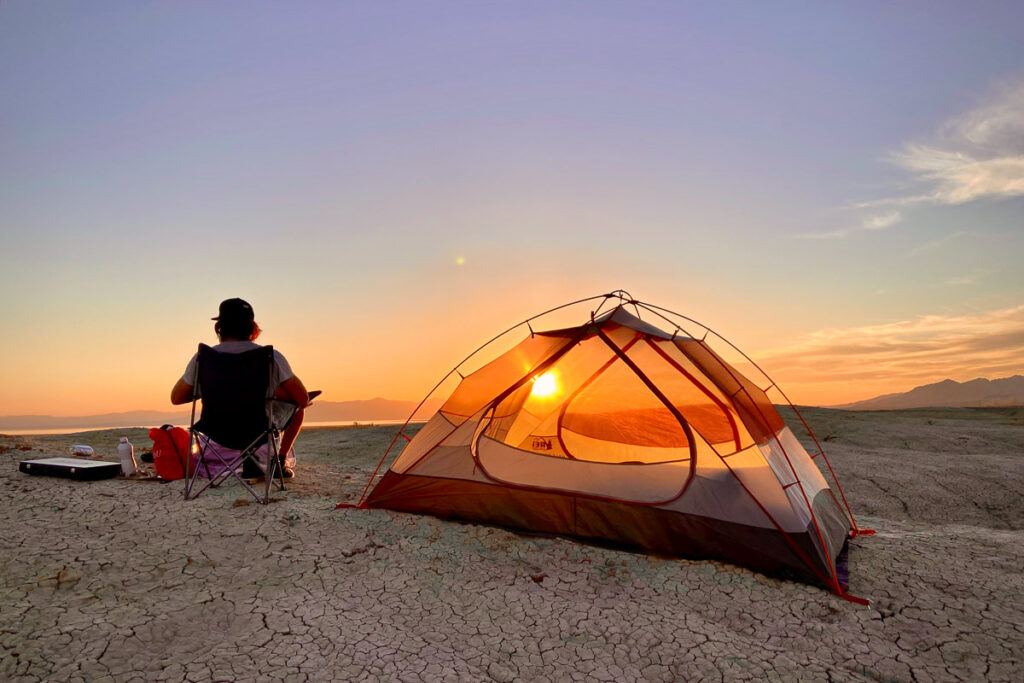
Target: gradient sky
838 188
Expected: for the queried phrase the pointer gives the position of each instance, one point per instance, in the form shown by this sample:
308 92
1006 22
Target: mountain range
977 393
370 410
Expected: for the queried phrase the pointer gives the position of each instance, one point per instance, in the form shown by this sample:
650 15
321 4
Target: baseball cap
234 309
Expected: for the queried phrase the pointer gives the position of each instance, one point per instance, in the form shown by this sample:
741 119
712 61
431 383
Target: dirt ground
123 580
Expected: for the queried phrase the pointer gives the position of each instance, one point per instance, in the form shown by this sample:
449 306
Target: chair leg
271 471
233 467
228 468
197 462
275 466
262 500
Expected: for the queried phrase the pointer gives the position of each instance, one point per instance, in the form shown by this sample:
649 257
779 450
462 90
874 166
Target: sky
837 188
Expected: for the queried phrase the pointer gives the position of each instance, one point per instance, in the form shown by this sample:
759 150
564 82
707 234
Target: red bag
171 456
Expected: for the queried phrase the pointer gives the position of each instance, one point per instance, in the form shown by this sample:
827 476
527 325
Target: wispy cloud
962 280
874 222
970 278
945 239
979 155
906 353
882 221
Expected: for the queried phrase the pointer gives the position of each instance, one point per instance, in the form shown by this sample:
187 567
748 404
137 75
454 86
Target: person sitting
237 331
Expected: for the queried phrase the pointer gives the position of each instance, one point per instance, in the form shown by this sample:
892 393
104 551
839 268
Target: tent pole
455 370
857 531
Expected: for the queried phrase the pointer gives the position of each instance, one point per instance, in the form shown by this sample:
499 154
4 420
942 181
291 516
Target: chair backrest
234 388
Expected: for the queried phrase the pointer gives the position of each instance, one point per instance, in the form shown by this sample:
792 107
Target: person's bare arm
292 389
181 393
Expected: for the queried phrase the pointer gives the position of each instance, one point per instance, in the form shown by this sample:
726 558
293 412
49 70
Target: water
358 423
306 424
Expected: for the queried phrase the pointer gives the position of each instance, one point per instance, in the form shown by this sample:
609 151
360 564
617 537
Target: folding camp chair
239 416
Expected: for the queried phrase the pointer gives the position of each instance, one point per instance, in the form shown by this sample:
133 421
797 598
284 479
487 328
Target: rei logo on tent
627 427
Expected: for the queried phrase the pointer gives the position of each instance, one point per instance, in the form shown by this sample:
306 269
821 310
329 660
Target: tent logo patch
541 444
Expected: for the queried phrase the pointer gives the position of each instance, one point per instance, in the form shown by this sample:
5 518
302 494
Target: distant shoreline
328 424
1015 412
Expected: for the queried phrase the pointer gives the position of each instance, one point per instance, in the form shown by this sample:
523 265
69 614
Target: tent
621 431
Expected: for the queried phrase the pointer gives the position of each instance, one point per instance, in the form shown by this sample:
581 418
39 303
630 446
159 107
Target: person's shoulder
283 365
236 346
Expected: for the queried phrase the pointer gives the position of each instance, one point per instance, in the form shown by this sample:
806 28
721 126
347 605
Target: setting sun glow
439 174
545 386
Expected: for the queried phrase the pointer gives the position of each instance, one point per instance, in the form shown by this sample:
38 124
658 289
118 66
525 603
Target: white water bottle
126 454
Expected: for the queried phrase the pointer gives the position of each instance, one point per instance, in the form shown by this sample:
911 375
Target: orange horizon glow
390 189
826 367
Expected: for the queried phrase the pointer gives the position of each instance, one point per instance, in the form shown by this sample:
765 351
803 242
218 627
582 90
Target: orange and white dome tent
619 430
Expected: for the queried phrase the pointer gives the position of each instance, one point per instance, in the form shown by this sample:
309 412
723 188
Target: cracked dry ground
121 580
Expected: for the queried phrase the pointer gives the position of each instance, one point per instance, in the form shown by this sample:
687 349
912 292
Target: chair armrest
288 402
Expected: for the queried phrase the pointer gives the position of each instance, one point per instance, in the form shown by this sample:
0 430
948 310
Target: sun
545 386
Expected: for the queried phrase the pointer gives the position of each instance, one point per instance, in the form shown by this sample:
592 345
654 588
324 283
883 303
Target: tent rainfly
619 431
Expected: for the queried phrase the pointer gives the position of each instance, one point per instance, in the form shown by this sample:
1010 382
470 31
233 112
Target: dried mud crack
121 580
